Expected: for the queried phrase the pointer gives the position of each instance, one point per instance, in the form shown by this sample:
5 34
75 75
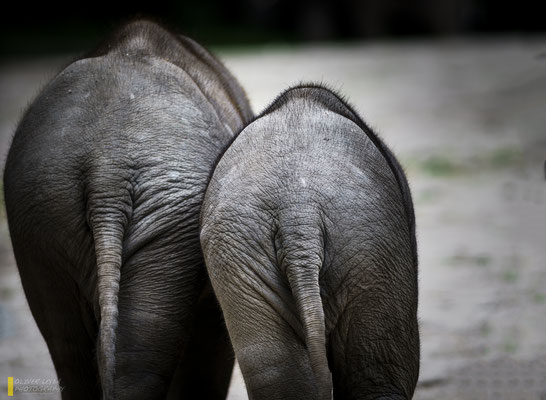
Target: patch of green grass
439 166
510 346
510 276
480 260
505 157
446 164
539 297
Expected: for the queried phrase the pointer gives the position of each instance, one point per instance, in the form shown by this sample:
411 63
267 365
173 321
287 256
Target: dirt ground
467 119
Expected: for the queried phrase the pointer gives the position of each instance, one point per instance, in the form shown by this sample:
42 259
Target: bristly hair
331 100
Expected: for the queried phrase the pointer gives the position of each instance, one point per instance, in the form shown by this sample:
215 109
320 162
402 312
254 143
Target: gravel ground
467 119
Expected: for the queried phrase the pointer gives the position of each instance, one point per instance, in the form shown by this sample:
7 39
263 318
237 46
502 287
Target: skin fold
308 233
103 186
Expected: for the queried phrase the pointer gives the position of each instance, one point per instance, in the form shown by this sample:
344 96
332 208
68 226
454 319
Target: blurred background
457 88
65 26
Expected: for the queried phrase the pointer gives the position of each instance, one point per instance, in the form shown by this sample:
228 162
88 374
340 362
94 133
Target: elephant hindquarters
273 311
148 281
159 288
64 317
374 346
273 359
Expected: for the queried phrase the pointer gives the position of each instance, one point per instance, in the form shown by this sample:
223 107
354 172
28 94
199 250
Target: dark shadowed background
67 26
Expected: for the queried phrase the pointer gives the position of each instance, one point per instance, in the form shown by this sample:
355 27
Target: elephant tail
107 223
303 261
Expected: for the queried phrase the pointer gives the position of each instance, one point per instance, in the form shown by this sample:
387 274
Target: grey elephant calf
103 187
307 228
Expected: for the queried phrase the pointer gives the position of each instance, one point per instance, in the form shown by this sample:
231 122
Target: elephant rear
103 186
309 242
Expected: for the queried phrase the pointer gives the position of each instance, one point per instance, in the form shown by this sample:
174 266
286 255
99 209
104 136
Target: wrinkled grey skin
103 186
307 228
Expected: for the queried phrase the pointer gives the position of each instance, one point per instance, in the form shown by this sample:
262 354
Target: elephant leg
205 368
271 353
374 349
67 324
158 292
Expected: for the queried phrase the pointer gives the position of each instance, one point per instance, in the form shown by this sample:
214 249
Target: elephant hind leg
157 296
67 324
207 362
275 362
375 354
272 356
